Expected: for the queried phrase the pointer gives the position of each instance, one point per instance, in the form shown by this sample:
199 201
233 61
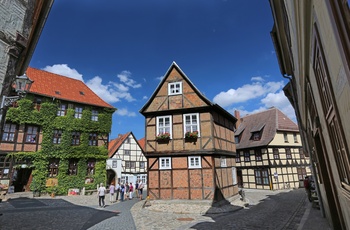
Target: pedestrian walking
117 191
101 195
111 193
141 185
122 191
131 190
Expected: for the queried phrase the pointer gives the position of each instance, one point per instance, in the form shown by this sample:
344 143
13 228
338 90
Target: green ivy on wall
48 121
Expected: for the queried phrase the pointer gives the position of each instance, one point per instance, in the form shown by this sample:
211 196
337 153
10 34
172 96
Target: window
194 162
124 179
285 135
53 167
62 109
295 136
276 154
256 136
261 177
301 153
301 173
93 140
73 167
164 125
223 161
9 132
78 112
57 135
90 167
143 178
191 123
94 115
37 103
175 88
288 153
336 132
127 140
247 156
165 163
238 157
127 152
75 138
32 134
127 164
258 155
237 138
132 164
142 165
234 175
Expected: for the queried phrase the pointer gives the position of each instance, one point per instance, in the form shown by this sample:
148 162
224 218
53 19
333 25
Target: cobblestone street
284 209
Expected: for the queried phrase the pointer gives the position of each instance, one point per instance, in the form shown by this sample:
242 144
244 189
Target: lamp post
21 85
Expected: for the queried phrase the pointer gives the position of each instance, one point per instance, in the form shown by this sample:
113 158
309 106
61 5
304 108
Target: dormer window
257 132
175 88
256 136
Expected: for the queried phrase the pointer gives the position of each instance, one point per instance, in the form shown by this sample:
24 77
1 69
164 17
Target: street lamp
22 85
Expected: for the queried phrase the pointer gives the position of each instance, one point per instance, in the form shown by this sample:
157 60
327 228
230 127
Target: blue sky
121 50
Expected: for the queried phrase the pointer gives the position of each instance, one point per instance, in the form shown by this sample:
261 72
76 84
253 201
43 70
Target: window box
191 135
163 137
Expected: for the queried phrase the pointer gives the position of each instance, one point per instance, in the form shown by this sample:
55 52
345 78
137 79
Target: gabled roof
206 100
60 87
269 122
115 144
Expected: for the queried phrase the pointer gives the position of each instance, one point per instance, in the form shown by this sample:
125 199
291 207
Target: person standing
122 191
111 193
117 191
131 190
137 188
101 192
141 185
127 191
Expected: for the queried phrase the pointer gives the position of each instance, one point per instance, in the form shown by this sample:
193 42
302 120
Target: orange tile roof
142 143
64 88
114 144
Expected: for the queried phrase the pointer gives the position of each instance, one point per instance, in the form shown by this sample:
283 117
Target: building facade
189 143
133 162
312 43
21 23
269 151
55 138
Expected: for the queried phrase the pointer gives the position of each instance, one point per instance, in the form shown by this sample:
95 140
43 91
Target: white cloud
277 100
125 112
110 92
64 70
106 92
246 92
257 78
124 77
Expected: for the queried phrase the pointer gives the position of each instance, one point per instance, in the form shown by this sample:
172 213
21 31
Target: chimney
238 116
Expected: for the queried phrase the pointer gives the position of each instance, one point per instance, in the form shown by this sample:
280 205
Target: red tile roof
142 143
64 88
114 144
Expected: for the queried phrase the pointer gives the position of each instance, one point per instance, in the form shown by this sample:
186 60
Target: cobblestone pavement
286 209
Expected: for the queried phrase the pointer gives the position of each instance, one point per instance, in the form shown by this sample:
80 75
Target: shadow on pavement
29 213
281 211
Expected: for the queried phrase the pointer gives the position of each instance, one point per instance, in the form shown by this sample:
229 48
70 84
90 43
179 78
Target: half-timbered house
189 142
269 151
56 136
133 162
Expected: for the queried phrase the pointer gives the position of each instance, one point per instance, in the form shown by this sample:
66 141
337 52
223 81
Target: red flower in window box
163 136
191 135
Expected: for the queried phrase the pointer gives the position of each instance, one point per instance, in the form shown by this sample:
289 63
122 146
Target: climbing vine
46 118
